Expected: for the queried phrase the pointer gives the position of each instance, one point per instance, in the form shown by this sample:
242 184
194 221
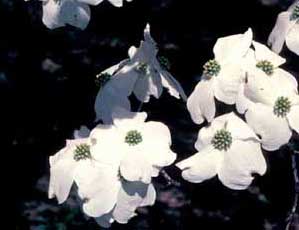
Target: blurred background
47 80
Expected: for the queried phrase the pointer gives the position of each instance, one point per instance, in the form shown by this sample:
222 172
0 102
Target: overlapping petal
240 162
201 103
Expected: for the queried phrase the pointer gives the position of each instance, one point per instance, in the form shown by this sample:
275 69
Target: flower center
102 79
222 140
133 137
82 152
282 106
211 68
164 62
142 68
295 13
266 66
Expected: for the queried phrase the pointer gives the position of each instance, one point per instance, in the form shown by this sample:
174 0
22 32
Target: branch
169 180
296 196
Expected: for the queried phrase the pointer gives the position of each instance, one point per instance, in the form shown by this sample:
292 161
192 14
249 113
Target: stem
169 180
296 196
140 107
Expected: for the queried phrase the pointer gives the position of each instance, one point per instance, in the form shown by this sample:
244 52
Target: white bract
227 148
286 30
221 77
59 13
113 93
271 106
107 197
142 74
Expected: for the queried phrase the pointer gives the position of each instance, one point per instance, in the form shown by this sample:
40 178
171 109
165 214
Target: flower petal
173 86
91 2
102 150
130 197
238 128
83 132
278 35
263 121
124 119
201 103
201 166
284 83
105 221
227 83
107 102
259 87
231 48
61 179
292 39
243 159
58 14
131 171
242 102
156 132
114 94
98 185
293 118
262 53
116 3
148 85
150 196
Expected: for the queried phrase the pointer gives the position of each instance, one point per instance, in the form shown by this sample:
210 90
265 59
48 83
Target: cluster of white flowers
59 13
246 73
113 164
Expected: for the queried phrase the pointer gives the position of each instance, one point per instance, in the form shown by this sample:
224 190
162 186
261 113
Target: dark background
44 101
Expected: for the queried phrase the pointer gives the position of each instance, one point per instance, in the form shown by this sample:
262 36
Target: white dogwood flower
149 74
142 74
221 77
286 30
59 13
147 143
227 148
95 169
66 164
130 152
271 106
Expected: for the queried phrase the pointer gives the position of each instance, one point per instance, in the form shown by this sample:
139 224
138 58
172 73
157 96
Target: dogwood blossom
221 77
149 74
86 161
147 143
66 164
142 74
286 30
58 13
227 148
271 106
138 151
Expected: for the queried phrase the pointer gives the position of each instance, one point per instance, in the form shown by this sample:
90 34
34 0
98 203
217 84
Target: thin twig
296 196
169 180
140 107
